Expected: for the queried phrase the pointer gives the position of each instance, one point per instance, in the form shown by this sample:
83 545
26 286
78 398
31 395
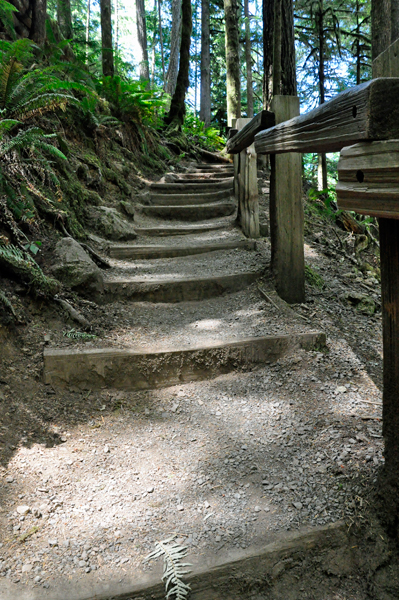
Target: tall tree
106 38
173 66
177 107
142 40
233 88
64 18
38 28
205 104
268 29
248 61
161 41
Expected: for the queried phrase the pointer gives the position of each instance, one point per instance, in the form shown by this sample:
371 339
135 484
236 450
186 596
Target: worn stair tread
175 289
181 186
184 229
194 212
189 198
130 368
122 251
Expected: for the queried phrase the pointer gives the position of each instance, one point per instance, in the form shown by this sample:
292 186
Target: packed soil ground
91 480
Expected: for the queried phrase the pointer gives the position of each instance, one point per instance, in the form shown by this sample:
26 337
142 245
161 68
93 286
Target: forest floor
91 480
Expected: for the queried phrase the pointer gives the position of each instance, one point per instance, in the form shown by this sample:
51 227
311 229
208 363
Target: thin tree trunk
322 163
64 18
232 61
154 43
358 56
177 107
205 108
142 40
161 41
106 38
248 61
116 26
173 67
38 27
268 28
277 38
288 63
87 30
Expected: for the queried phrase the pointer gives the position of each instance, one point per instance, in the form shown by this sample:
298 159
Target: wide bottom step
138 370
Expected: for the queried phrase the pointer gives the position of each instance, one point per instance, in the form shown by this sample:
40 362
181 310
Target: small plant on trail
313 278
79 335
173 568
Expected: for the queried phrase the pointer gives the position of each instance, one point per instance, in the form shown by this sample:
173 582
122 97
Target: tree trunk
161 41
205 108
116 26
322 166
142 40
232 61
380 26
64 18
277 37
248 61
38 27
268 28
173 67
177 107
106 38
87 30
288 70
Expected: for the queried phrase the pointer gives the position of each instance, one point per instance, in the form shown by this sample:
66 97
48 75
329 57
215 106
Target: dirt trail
228 463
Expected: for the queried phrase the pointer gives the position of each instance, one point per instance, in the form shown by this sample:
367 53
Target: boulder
74 267
109 223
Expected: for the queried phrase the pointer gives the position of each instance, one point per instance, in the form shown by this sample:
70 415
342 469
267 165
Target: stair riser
187 187
185 290
126 252
128 370
186 230
190 213
204 175
185 199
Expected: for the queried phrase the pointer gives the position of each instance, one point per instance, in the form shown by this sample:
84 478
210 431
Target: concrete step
186 186
183 289
189 199
128 369
195 212
183 229
126 251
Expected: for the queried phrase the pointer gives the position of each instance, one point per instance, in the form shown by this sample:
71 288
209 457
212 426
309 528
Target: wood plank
368 179
387 63
246 135
369 111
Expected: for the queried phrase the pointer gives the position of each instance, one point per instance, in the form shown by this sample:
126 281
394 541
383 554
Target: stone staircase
194 261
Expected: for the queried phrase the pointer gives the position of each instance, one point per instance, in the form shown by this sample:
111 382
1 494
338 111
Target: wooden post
236 163
389 480
286 212
248 207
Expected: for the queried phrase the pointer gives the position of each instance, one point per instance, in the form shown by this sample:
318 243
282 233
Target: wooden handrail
246 135
369 111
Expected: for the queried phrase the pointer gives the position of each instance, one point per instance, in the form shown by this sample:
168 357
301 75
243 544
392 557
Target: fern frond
8 72
173 570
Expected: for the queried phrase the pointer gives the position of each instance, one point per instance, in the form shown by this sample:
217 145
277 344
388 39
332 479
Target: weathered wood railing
363 124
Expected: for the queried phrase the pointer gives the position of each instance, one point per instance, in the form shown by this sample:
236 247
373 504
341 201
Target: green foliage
6 17
79 335
325 202
23 266
313 278
173 569
205 137
132 100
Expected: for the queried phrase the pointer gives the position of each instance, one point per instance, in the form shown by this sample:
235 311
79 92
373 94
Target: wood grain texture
368 179
369 111
246 135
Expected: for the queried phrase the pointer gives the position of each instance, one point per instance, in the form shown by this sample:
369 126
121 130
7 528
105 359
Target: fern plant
173 569
26 269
